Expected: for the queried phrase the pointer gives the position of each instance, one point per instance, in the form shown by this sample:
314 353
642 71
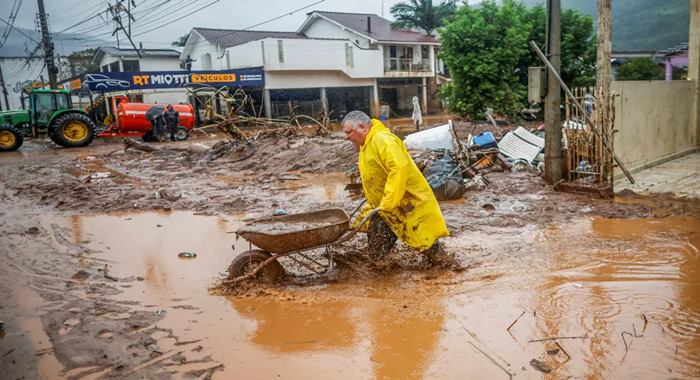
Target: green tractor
50 113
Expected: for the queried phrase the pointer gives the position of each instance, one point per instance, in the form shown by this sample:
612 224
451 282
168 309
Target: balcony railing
406 64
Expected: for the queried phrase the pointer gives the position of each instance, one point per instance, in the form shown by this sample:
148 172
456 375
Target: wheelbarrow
292 236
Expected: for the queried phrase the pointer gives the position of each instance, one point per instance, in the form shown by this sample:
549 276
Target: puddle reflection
593 277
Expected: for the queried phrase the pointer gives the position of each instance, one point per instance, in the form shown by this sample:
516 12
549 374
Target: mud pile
176 176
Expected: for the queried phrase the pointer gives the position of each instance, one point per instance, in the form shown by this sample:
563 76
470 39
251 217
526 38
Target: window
424 52
392 51
407 52
43 107
262 48
348 55
104 69
114 67
62 101
206 61
280 51
131 66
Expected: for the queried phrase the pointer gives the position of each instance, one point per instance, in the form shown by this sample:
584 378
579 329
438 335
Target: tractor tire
249 260
72 130
10 138
182 133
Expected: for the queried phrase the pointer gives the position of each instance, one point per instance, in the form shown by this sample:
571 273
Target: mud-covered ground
78 303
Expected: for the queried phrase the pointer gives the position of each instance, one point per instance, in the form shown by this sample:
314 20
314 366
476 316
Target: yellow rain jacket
392 182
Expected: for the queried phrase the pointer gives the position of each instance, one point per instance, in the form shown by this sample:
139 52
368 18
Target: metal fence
588 161
406 64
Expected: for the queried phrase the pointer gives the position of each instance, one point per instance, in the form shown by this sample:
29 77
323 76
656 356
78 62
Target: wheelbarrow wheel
247 261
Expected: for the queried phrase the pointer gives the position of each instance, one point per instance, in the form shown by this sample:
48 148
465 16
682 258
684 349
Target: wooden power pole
48 46
552 103
603 111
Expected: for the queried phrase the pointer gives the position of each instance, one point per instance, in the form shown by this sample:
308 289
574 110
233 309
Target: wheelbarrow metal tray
289 233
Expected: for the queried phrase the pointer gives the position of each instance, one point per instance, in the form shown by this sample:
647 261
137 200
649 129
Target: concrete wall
312 79
321 55
322 28
653 120
17 73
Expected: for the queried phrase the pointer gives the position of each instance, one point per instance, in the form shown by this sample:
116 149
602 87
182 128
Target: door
407 58
43 106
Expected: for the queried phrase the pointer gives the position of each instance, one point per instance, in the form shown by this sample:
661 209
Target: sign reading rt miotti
172 79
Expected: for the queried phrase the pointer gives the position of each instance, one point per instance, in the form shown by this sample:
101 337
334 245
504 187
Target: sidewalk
680 176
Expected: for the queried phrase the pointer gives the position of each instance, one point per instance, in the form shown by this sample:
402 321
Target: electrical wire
13 16
284 15
178 5
19 31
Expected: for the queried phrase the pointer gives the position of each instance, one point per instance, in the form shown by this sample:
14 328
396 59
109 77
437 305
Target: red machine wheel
247 261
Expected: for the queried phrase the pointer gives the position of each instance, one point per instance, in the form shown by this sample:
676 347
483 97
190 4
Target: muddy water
588 282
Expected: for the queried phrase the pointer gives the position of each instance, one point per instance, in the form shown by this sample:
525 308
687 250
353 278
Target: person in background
172 120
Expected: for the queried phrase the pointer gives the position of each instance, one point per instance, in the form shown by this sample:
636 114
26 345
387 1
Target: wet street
92 294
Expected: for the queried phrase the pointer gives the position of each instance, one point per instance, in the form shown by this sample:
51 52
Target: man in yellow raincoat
393 185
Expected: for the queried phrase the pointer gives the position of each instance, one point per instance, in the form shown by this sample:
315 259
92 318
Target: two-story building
336 61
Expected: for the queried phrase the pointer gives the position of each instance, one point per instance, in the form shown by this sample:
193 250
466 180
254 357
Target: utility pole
552 102
603 109
48 46
4 90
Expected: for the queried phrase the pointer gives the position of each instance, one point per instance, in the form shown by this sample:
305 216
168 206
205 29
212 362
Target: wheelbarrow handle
353 231
367 217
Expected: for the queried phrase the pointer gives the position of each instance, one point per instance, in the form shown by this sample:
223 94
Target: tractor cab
44 103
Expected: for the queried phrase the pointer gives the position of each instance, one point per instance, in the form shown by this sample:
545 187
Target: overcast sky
226 14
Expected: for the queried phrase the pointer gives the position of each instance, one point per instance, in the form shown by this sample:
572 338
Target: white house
340 61
111 59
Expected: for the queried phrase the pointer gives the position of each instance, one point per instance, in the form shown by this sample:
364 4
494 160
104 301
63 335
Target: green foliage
81 62
422 14
640 68
181 41
486 51
482 47
578 47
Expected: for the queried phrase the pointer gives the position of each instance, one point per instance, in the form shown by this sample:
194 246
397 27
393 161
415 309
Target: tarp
444 178
122 81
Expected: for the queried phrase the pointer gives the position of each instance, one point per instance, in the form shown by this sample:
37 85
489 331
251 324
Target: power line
178 19
13 16
176 6
284 15
19 31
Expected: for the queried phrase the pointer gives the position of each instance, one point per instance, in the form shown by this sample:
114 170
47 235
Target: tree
422 14
640 68
486 50
482 47
181 41
81 62
578 47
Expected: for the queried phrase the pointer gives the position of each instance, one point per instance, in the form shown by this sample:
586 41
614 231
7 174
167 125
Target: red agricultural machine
132 119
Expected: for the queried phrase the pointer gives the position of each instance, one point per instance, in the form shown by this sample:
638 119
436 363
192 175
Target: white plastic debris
100 175
433 138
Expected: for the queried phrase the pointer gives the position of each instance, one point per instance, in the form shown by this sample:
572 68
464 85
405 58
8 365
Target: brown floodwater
592 282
